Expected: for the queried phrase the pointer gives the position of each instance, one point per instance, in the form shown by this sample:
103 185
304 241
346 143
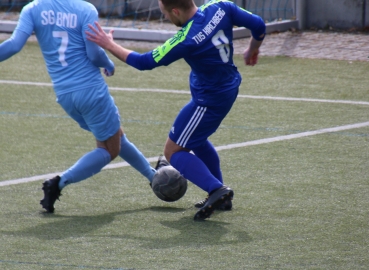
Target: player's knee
112 146
167 155
170 148
168 152
114 153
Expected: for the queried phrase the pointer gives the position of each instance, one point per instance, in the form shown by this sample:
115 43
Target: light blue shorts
94 110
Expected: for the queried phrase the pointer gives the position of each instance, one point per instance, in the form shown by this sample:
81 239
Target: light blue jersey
60 27
74 64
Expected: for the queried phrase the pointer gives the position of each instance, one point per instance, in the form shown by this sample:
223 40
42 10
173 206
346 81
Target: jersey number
221 42
63 45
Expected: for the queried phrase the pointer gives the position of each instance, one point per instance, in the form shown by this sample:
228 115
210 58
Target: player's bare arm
252 52
106 41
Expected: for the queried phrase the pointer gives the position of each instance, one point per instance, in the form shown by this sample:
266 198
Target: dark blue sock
209 156
192 168
88 165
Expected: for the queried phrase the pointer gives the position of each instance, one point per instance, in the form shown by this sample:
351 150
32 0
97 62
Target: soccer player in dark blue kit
205 43
73 64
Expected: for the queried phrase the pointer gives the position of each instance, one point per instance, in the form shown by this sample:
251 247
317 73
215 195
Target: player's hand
108 73
251 57
98 35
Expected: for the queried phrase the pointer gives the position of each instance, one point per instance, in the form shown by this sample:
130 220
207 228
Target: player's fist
108 73
251 57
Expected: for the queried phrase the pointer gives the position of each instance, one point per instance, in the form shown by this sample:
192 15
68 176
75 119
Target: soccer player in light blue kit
73 63
205 43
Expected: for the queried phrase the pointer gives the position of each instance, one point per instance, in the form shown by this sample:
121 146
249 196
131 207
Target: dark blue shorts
195 123
94 110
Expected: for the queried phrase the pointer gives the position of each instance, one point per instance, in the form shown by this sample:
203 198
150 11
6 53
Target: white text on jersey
61 19
208 29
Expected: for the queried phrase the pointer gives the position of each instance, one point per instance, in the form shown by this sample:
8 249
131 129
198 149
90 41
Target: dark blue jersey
205 43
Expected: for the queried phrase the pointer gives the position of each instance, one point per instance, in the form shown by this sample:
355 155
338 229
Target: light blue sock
130 153
88 165
192 168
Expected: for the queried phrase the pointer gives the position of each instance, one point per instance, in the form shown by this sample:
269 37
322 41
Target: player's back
210 56
59 26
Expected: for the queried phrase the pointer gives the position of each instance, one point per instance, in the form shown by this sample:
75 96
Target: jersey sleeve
141 61
94 52
172 50
13 45
20 35
25 23
254 23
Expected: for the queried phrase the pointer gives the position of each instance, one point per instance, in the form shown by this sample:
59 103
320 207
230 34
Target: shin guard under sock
192 168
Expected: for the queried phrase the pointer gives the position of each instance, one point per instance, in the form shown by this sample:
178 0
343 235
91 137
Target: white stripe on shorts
191 126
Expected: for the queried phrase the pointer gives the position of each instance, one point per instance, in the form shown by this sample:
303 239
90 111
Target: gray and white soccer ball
168 184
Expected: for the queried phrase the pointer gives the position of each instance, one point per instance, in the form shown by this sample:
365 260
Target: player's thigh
194 123
67 103
94 110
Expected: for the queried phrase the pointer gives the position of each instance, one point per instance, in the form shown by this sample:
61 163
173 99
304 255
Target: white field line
292 136
187 93
218 148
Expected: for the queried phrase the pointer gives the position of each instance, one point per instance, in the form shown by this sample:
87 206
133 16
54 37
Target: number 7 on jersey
63 46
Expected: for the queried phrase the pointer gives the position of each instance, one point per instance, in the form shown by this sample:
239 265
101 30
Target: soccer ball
168 184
